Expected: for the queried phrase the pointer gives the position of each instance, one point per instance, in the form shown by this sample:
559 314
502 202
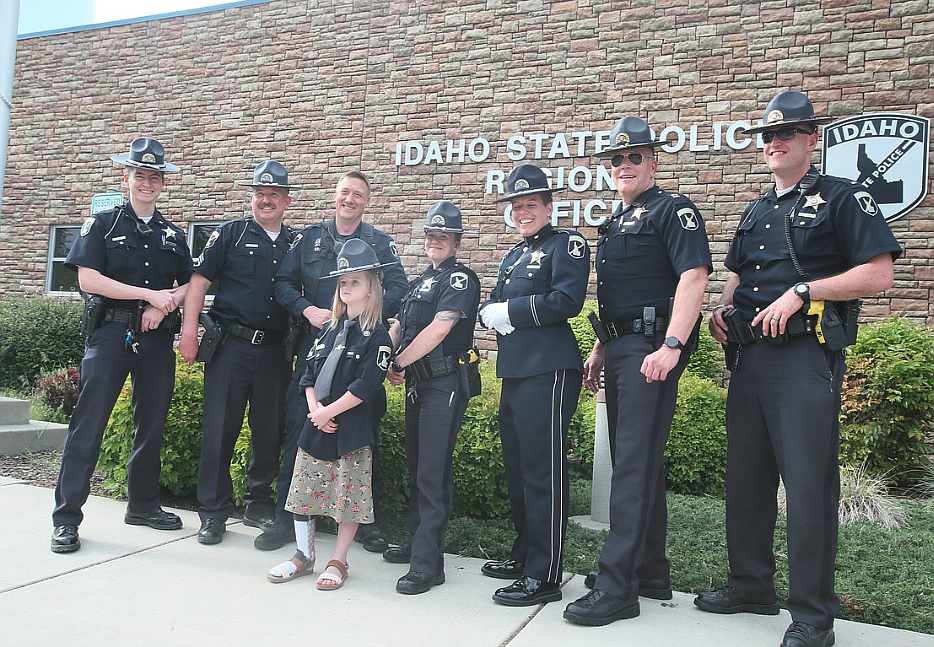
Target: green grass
883 577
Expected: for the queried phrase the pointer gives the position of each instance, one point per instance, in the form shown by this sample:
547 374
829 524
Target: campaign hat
786 110
444 216
147 153
524 180
357 256
272 174
629 133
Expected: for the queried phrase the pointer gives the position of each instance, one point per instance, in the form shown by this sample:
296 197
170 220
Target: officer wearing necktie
542 283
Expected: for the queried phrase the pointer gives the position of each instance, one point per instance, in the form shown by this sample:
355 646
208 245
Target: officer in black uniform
652 264
542 283
305 288
249 362
803 253
134 261
434 342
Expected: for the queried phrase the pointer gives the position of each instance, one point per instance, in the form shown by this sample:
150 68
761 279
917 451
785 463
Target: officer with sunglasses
139 264
803 250
652 263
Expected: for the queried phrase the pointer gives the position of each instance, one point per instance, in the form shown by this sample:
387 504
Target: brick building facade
436 100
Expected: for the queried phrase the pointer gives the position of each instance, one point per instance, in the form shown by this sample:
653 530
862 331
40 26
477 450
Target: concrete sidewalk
131 585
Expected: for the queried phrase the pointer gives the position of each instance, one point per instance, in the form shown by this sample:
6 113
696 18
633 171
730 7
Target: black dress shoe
399 554
527 592
732 600
65 539
262 519
212 531
376 542
276 537
156 518
599 608
801 634
655 589
507 570
413 582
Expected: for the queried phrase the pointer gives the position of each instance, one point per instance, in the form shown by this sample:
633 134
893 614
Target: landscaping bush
583 331
707 359
181 444
57 391
38 334
888 399
696 452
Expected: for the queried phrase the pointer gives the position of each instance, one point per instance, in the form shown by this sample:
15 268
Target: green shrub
707 359
181 441
696 452
38 334
888 399
583 331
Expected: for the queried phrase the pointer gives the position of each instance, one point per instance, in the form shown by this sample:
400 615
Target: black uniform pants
534 415
639 418
432 420
241 372
782 419
103 370
296 415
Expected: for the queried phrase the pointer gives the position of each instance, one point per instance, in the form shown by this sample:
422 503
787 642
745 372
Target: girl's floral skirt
340 489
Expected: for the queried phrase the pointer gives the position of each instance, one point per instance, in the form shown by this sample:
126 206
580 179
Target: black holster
93 315
211 340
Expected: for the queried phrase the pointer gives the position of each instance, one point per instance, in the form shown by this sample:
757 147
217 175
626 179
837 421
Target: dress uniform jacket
361 370
641 254
244 261
155 256
544 279
784 401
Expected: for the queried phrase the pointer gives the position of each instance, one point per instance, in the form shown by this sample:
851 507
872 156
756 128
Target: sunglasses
634 158
785 134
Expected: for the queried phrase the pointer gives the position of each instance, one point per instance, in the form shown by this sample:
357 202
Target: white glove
504 328
495 315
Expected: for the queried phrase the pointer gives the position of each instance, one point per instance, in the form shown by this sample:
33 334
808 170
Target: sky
47 15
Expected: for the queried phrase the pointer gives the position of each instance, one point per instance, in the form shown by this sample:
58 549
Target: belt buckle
258 337
611 329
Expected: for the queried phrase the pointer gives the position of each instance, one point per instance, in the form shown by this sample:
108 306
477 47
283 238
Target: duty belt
798 325
425 368
619 327
121 315
255 337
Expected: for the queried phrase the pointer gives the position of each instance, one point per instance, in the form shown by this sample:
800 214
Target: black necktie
326 376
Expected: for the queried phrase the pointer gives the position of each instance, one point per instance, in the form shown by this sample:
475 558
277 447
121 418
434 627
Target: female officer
434 334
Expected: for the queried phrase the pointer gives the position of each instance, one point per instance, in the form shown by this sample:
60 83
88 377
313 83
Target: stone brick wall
338 84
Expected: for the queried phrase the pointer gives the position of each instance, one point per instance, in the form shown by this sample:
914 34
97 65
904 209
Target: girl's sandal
330 581
289 570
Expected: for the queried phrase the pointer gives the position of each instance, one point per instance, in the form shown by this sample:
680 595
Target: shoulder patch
688 218
576 246
383 357
459 281
866 203
86 226
392 248
295 240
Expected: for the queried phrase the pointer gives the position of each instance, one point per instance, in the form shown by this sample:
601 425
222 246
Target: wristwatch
803 290
395 367
674 342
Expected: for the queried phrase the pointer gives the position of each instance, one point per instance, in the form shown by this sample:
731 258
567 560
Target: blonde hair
373 310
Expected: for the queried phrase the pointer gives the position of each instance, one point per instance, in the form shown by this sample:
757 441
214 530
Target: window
198 234
62 280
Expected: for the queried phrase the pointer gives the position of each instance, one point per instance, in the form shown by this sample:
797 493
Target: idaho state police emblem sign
885 152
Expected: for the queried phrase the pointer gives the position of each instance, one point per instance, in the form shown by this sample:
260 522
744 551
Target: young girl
344 386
